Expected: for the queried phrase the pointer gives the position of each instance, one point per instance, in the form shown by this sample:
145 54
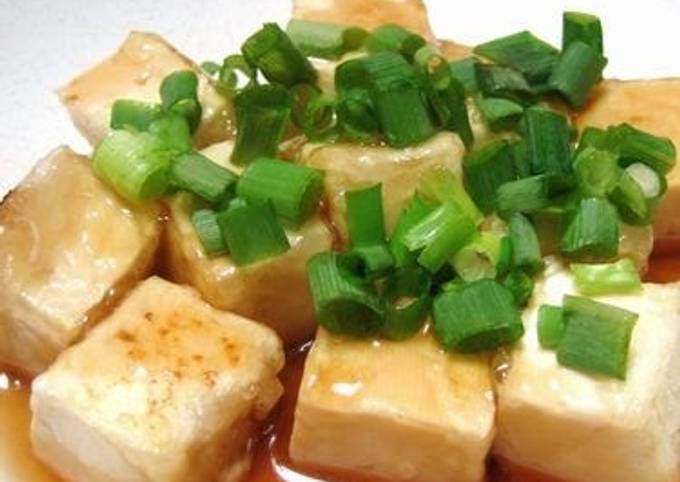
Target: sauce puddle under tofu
271 461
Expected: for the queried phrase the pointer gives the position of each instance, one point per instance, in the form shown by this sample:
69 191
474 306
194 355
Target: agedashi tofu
135 72
396 410
165 389
352 166
581 428
69 248
651 105
273 291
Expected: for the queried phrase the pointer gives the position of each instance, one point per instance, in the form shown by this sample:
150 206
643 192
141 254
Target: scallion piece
320 118
252 232
179 94
551 325
408 298
352 77
199 175
596 337
414 212
134 114
578 70
600 279
592 233
500 114
499 81
526 251
504 263
479 258
464 71
293 190
173 131
546 135
630 201
344 303
520 158
394 38
582 27
365 219
477 316
370 261
443 186
135 164
272 52
303 94
262 114
324 40
637 145
440 234
597 172
486 169
652 184
520 284
212 68
522 51
524 196
208 232
235 74
357 117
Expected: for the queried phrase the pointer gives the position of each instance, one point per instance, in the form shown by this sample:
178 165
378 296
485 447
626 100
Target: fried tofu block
397 410
353 166
273 291
69 248
581 428
135 72
167 389
651 105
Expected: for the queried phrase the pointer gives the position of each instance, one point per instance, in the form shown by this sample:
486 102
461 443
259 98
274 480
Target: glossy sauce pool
271 462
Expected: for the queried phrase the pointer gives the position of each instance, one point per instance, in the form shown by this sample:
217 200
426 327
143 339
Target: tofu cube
69 248
273 291
651 105
167 389
581 428
397 410
352 166
135 72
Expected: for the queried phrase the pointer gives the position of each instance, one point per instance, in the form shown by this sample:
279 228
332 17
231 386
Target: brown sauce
271 462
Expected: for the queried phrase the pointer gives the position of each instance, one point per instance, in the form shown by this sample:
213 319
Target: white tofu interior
135 72
581 428
397 410
69 248
273 291
165 389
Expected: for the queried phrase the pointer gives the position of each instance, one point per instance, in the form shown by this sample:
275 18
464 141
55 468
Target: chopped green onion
630 201
637 145
441 233
443 186
520 158
549 226
452 94
293 190
464 71
599 279
504 262
394 38
232 67
262 114
596 337
414 212
324 40
597 172
582 27
526 251
212 68
321 118
369 262
524 195
365 219
652 184
597 138
199 175
357 117
408 303
477 316
578 70
592 233
479 258
179 95
344 303
133 163
352 77
498 81
172 130
520 284
252 232
500 114
398 101
522 51
208 231
486 169
302 95
551 325
271 51
134 114
547 139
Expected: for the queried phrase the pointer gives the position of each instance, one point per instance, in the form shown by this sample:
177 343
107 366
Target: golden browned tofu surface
652 105
69 247
135 72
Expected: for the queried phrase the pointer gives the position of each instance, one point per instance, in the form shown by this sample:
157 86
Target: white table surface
44 43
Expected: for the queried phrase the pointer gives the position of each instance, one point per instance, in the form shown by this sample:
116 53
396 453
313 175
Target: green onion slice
443 186
320 118
526 251
582 27
212 68
209 232
592 233
637 145
652 184
546 135
597 172
630 201
407 293
172 130
499 81
500 114
302 95
464 71
235 74
520 285
179 94
365 219
486 169
199 175
126 114
479 258
526 195
324 40
414 212
599 279
369 262
551 325
578 70
394 38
